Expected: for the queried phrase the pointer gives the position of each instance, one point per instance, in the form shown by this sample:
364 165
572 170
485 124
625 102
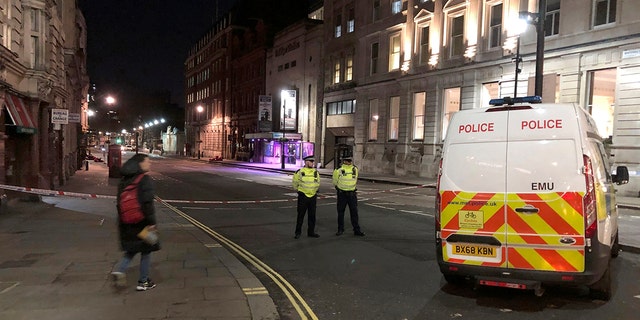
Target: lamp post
537 19
199 109
518 60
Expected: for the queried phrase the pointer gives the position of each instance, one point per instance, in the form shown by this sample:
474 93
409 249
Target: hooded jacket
129 240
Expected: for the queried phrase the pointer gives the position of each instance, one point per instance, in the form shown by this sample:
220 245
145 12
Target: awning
19 114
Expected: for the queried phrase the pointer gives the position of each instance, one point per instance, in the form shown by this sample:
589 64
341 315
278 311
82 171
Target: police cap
350 159
309 158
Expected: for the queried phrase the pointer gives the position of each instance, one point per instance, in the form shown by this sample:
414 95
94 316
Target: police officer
306 182
344 179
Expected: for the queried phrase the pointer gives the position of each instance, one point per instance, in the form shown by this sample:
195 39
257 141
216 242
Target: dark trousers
348 198
306 204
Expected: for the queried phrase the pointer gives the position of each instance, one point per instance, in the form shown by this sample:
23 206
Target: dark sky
137 48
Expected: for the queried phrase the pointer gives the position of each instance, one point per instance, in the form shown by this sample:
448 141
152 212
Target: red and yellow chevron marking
530 240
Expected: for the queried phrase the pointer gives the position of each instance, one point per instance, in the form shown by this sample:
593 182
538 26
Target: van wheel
601 290
453 279
615 248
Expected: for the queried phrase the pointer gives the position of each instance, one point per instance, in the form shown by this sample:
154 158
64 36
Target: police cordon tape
57 193
54 193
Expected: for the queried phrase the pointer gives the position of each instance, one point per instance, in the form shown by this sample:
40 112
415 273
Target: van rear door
472 189
545 184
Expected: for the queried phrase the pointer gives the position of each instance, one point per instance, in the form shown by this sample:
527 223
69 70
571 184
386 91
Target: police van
526 198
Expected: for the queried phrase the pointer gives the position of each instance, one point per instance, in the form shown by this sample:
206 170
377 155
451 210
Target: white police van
526 198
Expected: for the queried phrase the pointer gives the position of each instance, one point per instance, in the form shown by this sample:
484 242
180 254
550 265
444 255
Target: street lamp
199 108
537 19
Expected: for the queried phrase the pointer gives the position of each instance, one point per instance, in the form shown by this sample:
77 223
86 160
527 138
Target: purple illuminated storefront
269 148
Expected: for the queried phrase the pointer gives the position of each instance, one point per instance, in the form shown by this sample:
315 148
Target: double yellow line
292 294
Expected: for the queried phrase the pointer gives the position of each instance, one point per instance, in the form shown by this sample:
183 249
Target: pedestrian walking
136 213
306 182
345 179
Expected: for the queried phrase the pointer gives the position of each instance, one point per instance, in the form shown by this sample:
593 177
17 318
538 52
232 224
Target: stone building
42 68
409 65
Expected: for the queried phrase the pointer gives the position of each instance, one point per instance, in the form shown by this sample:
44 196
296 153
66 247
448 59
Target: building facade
409 65
294 85
225 77
208 95
42 68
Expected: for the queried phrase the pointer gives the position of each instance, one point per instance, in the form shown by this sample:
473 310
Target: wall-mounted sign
632 53
74 117
289 109
60 116
265 112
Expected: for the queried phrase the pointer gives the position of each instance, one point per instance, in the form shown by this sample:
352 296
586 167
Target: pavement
57 254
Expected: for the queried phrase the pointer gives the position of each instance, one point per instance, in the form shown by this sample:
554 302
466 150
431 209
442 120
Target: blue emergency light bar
510 101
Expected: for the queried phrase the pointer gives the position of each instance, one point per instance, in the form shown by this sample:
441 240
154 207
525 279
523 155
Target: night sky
137 48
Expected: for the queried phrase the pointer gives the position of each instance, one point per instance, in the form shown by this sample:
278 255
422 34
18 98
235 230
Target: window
394 52
457 36
424 45
336 71
338 30
394 117
604 11
373 119
552 18
34 54
351 21
35 20
418 115
396 6
601 104
349 68
495 26
376 10
341 107
451 106
490 90
374 58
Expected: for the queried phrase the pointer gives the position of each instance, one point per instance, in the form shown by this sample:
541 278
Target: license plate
474 250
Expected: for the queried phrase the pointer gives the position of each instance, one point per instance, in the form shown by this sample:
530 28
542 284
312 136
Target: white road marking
377 206
243 179
420 213
195 208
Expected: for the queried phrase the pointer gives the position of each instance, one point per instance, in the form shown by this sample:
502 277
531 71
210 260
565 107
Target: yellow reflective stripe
538 262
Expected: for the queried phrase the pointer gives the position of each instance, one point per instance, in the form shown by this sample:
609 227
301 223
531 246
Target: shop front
276 148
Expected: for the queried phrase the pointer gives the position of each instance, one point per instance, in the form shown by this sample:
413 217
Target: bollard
86 165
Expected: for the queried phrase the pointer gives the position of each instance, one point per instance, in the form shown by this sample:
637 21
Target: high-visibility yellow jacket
345 177
307 181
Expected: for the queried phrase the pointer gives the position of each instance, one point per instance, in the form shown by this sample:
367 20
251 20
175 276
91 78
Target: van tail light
437 215
589 200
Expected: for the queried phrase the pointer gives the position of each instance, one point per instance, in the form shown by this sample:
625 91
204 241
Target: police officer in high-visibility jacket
306 182
345 179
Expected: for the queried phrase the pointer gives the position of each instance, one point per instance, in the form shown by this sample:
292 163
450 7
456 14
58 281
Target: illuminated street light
110 100
200 109
518 26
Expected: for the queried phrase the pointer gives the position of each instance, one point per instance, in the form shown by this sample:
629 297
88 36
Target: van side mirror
621 176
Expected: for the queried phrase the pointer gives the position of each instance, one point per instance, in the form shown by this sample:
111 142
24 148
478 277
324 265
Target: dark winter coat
129 240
